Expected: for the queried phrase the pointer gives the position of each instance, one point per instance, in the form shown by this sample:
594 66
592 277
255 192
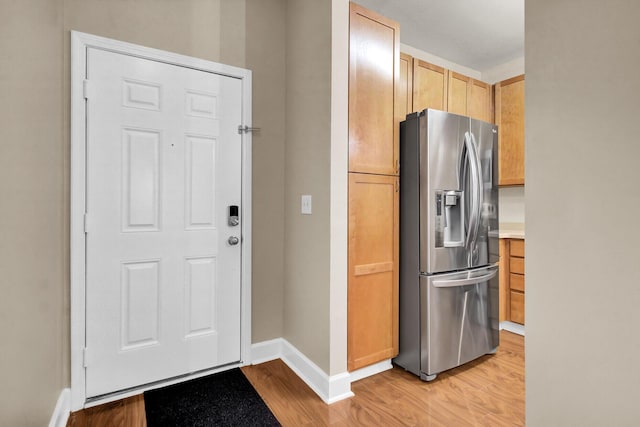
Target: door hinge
397 165
86 222
247 129
87 91
85 358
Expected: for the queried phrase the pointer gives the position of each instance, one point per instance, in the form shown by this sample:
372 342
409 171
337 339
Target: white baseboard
516 328
339 388
367 371
329 388
62 410
266 351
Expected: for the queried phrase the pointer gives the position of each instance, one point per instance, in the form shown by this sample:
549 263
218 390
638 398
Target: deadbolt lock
234 217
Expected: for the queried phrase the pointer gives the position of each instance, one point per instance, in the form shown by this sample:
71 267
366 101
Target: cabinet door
510 121
372 310
516 307
479 106
404 97
504 280
458 93
429 86
374 56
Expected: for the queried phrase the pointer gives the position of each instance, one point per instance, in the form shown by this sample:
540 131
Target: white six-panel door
163 167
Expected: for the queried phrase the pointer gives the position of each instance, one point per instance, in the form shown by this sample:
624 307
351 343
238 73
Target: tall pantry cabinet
374 117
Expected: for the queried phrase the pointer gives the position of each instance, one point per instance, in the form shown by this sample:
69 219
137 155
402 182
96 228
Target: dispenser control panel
449 226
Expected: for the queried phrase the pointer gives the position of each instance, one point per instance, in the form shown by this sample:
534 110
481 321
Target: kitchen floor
486 392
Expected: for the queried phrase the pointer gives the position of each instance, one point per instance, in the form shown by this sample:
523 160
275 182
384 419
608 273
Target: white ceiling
479 34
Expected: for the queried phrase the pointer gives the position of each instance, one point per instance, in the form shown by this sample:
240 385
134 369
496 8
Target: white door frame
79 44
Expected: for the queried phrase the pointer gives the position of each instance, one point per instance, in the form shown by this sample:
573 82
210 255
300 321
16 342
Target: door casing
79 44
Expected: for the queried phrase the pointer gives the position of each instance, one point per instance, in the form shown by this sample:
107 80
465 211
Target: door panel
510 120
200 165
480 101
141 180
140 308
372 319
446 188
200 296
429 86
459 322
163 165
404 98
374 52
458 93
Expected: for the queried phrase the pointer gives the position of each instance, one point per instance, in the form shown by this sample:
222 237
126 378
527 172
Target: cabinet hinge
397 186
87 89
85 357
86 222
397 165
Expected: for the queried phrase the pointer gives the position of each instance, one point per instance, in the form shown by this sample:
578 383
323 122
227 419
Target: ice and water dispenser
449 218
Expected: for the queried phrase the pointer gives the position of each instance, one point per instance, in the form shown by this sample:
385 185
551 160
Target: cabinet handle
463 282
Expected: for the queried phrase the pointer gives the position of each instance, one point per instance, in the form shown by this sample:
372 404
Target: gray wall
34 165
582 210
33 212
307 171
265 56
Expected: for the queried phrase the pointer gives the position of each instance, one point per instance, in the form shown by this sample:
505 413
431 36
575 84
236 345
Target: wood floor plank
127 412
486 392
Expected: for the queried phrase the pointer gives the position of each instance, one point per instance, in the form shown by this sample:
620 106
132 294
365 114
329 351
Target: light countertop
511 230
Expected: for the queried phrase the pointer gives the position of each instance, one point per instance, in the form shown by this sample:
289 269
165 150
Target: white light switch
305 204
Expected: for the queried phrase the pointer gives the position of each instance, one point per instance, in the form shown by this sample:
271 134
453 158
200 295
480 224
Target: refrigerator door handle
476 191
472 199
478 183
463 282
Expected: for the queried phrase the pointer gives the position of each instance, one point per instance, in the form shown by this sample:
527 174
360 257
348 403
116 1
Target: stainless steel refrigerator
448 241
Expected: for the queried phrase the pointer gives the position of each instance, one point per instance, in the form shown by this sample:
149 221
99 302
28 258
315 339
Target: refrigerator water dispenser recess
450 231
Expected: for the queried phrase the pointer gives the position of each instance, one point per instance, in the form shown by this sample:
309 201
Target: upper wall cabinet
429 86
479 106
374 52
404 96
458 95
442 89
469 97
510 120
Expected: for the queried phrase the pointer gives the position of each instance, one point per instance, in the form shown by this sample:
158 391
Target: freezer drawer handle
463 282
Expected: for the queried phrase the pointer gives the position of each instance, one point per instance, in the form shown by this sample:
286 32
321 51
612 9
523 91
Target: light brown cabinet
429 86
503 279
469 97
442 89
374 63
512 288
376 107
458 93
373 269
509 112
480 101
404 95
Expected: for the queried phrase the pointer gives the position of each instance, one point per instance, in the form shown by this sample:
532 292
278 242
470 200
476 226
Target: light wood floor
485 392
